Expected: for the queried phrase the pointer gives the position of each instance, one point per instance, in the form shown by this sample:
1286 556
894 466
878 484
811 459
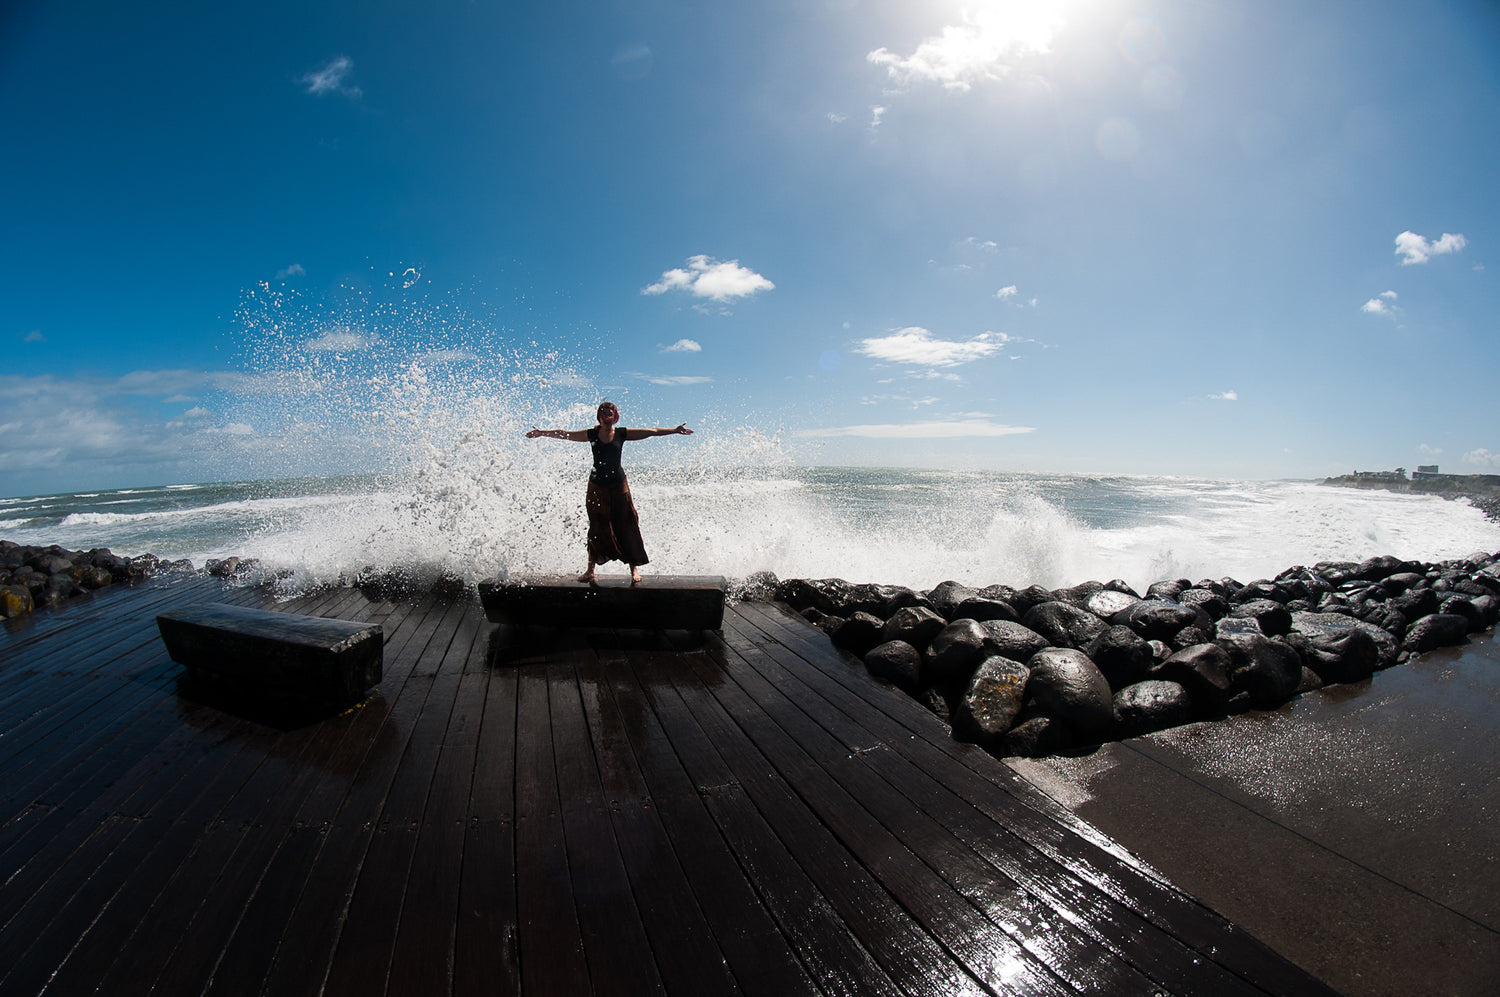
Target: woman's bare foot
635 575
587 576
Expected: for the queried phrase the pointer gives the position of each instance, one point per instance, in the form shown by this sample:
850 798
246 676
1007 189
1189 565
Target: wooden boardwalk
547 812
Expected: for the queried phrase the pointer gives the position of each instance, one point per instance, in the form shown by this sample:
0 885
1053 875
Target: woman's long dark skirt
614 528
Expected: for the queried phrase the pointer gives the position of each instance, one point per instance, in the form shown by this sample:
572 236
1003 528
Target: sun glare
990 38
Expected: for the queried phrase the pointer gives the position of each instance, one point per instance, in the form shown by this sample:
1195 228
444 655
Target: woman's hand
682 430
534 433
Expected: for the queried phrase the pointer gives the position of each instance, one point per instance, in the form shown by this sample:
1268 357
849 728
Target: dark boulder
1315 624
1415 603
991 701
1121 585
1155 619
1203 670
1064 625
1154 704
916 625
954 653
895 661
1065 684
945 597
1403 580
1169 590
1188 636
1215 605
1121 654
1268 671
982 608
1436 630
1340 656
1033 595
1108 603
1231 625
1012 640
859 633
15 600
1275 619
1077 595
880 600
1381 567
1036 736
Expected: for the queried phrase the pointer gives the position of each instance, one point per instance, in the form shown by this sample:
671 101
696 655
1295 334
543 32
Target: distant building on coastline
1425 471
1399 474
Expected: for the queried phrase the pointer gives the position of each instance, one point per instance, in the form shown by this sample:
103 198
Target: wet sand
1356 830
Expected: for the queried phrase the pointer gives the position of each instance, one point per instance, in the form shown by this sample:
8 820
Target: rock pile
1032 671
47 577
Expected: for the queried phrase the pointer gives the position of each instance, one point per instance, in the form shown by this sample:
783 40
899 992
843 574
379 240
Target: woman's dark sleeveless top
607 469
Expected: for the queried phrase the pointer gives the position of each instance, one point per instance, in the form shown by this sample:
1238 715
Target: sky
1241 239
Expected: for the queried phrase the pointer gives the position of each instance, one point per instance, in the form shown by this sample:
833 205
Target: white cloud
989 44
877 112
295 270
35 336
1382 304
337 341
1482 458
922 430
1009 291
332 77
1225 396
669 381
1413 248
915 345
683 346
837 118
983 245
706 277
1424 448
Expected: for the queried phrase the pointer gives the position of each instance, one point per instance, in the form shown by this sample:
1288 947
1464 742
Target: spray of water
431 398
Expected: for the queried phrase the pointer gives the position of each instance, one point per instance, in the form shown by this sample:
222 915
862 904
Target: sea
521 512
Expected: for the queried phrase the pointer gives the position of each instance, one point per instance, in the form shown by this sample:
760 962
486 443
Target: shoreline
1482 490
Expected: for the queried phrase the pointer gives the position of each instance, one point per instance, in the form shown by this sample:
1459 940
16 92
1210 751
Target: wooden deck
547 812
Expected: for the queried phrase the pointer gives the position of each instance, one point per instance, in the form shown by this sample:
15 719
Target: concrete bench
659 602
306 657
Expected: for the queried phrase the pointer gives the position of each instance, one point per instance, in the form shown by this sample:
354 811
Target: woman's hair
610 404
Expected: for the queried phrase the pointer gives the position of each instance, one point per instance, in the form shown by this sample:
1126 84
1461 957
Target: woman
614 530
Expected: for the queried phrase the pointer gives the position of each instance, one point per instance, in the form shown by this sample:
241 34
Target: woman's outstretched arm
641 434
576 435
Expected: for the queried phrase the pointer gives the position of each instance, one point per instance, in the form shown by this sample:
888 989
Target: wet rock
1154 704
1274 618
1188 636
1065 684
1167 591
1415 603
992 700
880 600
53 564
1203 670
945 597
1341 656
860 633
92 577
895 661
1108 603
1314 624
937 704
758 586
1211 603
1077 595
954 653
1268 671
1037 736
1155 619
1436 630
916 625
1231 625
1063 624
1121 585
1121 654
1012 640
15 600
1025 599
982 609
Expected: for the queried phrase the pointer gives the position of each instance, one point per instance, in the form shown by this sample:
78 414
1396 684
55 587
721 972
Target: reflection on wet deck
546 811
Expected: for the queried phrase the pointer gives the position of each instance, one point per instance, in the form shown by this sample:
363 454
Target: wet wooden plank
738 909
1076 849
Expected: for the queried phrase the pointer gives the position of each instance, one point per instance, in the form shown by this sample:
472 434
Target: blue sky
1237 239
